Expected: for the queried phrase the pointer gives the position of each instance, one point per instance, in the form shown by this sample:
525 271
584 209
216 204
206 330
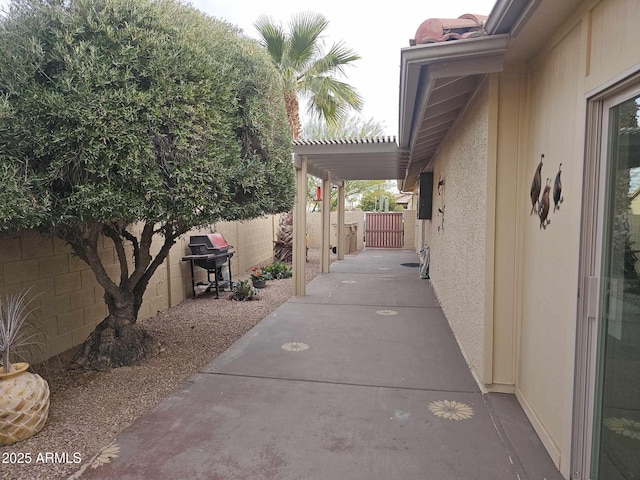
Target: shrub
278 270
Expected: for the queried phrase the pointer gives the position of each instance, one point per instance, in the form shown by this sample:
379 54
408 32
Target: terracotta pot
24 404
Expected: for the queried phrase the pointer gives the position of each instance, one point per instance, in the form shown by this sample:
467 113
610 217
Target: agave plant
18 332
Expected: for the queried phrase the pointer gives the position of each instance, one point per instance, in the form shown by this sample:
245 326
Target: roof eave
421 65
414 58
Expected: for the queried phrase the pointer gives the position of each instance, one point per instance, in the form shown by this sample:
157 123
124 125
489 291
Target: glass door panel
616 446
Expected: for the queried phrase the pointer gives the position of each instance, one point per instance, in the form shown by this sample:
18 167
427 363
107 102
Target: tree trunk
117 340
292 106
283 248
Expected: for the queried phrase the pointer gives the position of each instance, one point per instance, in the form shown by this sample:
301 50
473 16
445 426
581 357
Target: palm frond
297 53
331 98
305 30
334 61
273 38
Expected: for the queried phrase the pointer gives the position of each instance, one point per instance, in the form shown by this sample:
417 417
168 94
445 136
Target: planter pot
24 404
259 283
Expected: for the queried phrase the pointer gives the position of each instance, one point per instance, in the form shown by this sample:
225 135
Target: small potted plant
24 396
259 278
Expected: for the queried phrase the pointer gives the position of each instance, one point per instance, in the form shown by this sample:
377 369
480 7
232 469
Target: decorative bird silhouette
544 207
536 185
557 190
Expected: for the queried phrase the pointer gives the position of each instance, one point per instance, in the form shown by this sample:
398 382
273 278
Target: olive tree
134 120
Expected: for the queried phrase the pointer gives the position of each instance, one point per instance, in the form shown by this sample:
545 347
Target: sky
376 32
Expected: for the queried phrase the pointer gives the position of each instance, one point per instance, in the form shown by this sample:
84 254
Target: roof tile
434 30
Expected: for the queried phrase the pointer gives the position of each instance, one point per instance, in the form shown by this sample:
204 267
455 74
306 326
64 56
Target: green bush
278 270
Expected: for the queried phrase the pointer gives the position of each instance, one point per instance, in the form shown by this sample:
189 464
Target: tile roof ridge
436 30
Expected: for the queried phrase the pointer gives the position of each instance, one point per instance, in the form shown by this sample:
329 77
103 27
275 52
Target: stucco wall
457 238
613 37
550 256
69 298
592 50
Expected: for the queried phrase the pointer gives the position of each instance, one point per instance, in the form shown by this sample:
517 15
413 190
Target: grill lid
217 240
206 244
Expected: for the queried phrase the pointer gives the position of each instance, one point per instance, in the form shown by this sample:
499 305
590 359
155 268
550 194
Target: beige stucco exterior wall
457 238
591 51
511 84
69 298
612 36
550 256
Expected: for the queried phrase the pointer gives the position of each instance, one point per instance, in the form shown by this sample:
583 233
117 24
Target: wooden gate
384 229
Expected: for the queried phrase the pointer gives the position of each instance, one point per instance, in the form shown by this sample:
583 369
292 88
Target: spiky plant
18 330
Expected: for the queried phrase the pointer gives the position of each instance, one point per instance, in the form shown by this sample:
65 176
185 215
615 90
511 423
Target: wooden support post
326 223
300 227
341 246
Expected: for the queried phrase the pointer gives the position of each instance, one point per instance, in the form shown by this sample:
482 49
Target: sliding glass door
615 446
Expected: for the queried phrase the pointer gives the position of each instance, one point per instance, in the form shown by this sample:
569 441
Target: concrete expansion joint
348 384
504 439
325 302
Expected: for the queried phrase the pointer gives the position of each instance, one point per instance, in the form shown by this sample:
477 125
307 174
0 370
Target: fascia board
507 14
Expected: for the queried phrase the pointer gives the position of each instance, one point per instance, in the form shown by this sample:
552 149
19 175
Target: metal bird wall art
557 191
543 211
536 185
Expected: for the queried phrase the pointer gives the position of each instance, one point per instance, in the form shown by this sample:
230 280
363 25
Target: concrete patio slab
362 345
369 289
523 445
229 427
381 261
352 382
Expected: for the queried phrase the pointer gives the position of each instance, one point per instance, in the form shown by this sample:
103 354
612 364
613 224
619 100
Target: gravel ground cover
88 409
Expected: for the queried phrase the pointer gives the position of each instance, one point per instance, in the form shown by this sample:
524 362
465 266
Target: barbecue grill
211 252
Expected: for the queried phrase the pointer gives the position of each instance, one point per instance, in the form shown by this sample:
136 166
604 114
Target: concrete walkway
356 380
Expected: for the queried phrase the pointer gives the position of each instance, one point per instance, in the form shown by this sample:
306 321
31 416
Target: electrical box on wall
425 198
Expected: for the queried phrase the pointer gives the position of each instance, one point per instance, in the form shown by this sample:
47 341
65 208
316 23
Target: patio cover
334 161
371 158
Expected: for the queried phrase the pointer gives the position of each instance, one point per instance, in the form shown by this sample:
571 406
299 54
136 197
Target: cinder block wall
314 224
70 301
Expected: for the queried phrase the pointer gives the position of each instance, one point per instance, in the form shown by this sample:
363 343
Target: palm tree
305 71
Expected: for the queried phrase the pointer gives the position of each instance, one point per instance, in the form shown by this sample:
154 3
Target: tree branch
144 254
122 256
136 246
87 250
157 261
